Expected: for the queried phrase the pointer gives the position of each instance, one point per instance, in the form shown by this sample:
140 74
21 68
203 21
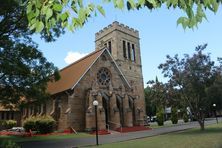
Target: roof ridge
79 60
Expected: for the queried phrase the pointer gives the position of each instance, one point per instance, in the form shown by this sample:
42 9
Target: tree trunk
201 123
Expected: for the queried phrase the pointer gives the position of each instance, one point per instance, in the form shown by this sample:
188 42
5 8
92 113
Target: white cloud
73 56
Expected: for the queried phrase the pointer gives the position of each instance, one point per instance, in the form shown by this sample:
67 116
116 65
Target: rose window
103 76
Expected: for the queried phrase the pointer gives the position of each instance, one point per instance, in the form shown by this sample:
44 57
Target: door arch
119 103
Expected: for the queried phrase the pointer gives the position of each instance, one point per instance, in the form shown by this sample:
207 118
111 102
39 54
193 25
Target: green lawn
194 138
44 138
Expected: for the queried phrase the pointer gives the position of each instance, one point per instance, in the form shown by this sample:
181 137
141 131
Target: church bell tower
124 46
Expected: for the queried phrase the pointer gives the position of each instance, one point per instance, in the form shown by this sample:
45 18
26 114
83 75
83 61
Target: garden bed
30 134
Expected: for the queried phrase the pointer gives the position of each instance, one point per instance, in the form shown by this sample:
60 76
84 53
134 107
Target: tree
192 76
158 99
24 72
158 93
73 14
150 106
174 115
160 116
214 92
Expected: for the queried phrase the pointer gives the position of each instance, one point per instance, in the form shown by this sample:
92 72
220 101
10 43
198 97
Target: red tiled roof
71 74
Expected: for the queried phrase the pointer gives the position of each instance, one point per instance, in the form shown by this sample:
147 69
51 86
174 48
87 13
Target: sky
159 36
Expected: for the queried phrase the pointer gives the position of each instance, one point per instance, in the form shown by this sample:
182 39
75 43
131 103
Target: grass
43 138
194 138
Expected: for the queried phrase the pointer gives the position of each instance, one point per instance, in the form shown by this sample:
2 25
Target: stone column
101 113
90 116
52 112
128 120
69 112
138 112
114 113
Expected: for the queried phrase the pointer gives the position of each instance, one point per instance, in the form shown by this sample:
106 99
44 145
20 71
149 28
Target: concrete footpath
114 137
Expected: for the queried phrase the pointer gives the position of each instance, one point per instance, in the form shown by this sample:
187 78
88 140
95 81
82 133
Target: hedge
10 123
185 117
7 124
174 116
41 124
160 117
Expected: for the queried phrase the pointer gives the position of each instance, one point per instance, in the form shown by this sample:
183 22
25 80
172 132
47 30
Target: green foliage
150 106
214 92
160 117
9 144
69 14
41 124
45 125
185 117
174 115
72 14
7 124
194 77
30 124
24 71
10 123
158 93
2 124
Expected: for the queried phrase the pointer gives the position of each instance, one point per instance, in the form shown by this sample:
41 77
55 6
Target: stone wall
76 105
132 70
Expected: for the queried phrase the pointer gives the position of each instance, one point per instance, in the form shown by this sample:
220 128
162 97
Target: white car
17 129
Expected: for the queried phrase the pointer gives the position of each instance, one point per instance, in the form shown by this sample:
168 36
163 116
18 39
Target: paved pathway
116 137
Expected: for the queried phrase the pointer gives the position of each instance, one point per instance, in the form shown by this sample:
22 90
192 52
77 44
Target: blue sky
159 36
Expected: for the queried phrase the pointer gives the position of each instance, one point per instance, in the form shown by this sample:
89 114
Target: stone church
112 74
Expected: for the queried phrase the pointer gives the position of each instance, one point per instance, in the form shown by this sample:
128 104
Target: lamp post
215 113
96 103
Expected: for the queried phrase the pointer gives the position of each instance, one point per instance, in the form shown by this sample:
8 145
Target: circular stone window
103 76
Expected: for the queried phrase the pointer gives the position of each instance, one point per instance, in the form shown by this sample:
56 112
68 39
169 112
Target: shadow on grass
211 130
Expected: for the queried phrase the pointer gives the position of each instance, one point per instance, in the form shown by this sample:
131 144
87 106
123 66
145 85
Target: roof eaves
80 59
88 68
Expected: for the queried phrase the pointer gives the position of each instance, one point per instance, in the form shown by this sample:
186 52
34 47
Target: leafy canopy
73 14
24 71
195 77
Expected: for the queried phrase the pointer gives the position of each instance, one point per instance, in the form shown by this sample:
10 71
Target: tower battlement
116 26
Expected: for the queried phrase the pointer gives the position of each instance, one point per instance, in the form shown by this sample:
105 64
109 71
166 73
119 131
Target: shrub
2 124
10 123
45 125
41 124
160 117
9 144
185 117
174 116
30 124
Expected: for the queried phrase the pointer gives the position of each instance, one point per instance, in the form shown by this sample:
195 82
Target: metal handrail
121 129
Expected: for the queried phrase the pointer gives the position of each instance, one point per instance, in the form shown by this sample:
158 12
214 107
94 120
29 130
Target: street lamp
215 113
96 103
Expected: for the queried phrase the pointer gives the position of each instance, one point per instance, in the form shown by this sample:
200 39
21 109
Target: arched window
124 49
129 52
110 47
133 53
